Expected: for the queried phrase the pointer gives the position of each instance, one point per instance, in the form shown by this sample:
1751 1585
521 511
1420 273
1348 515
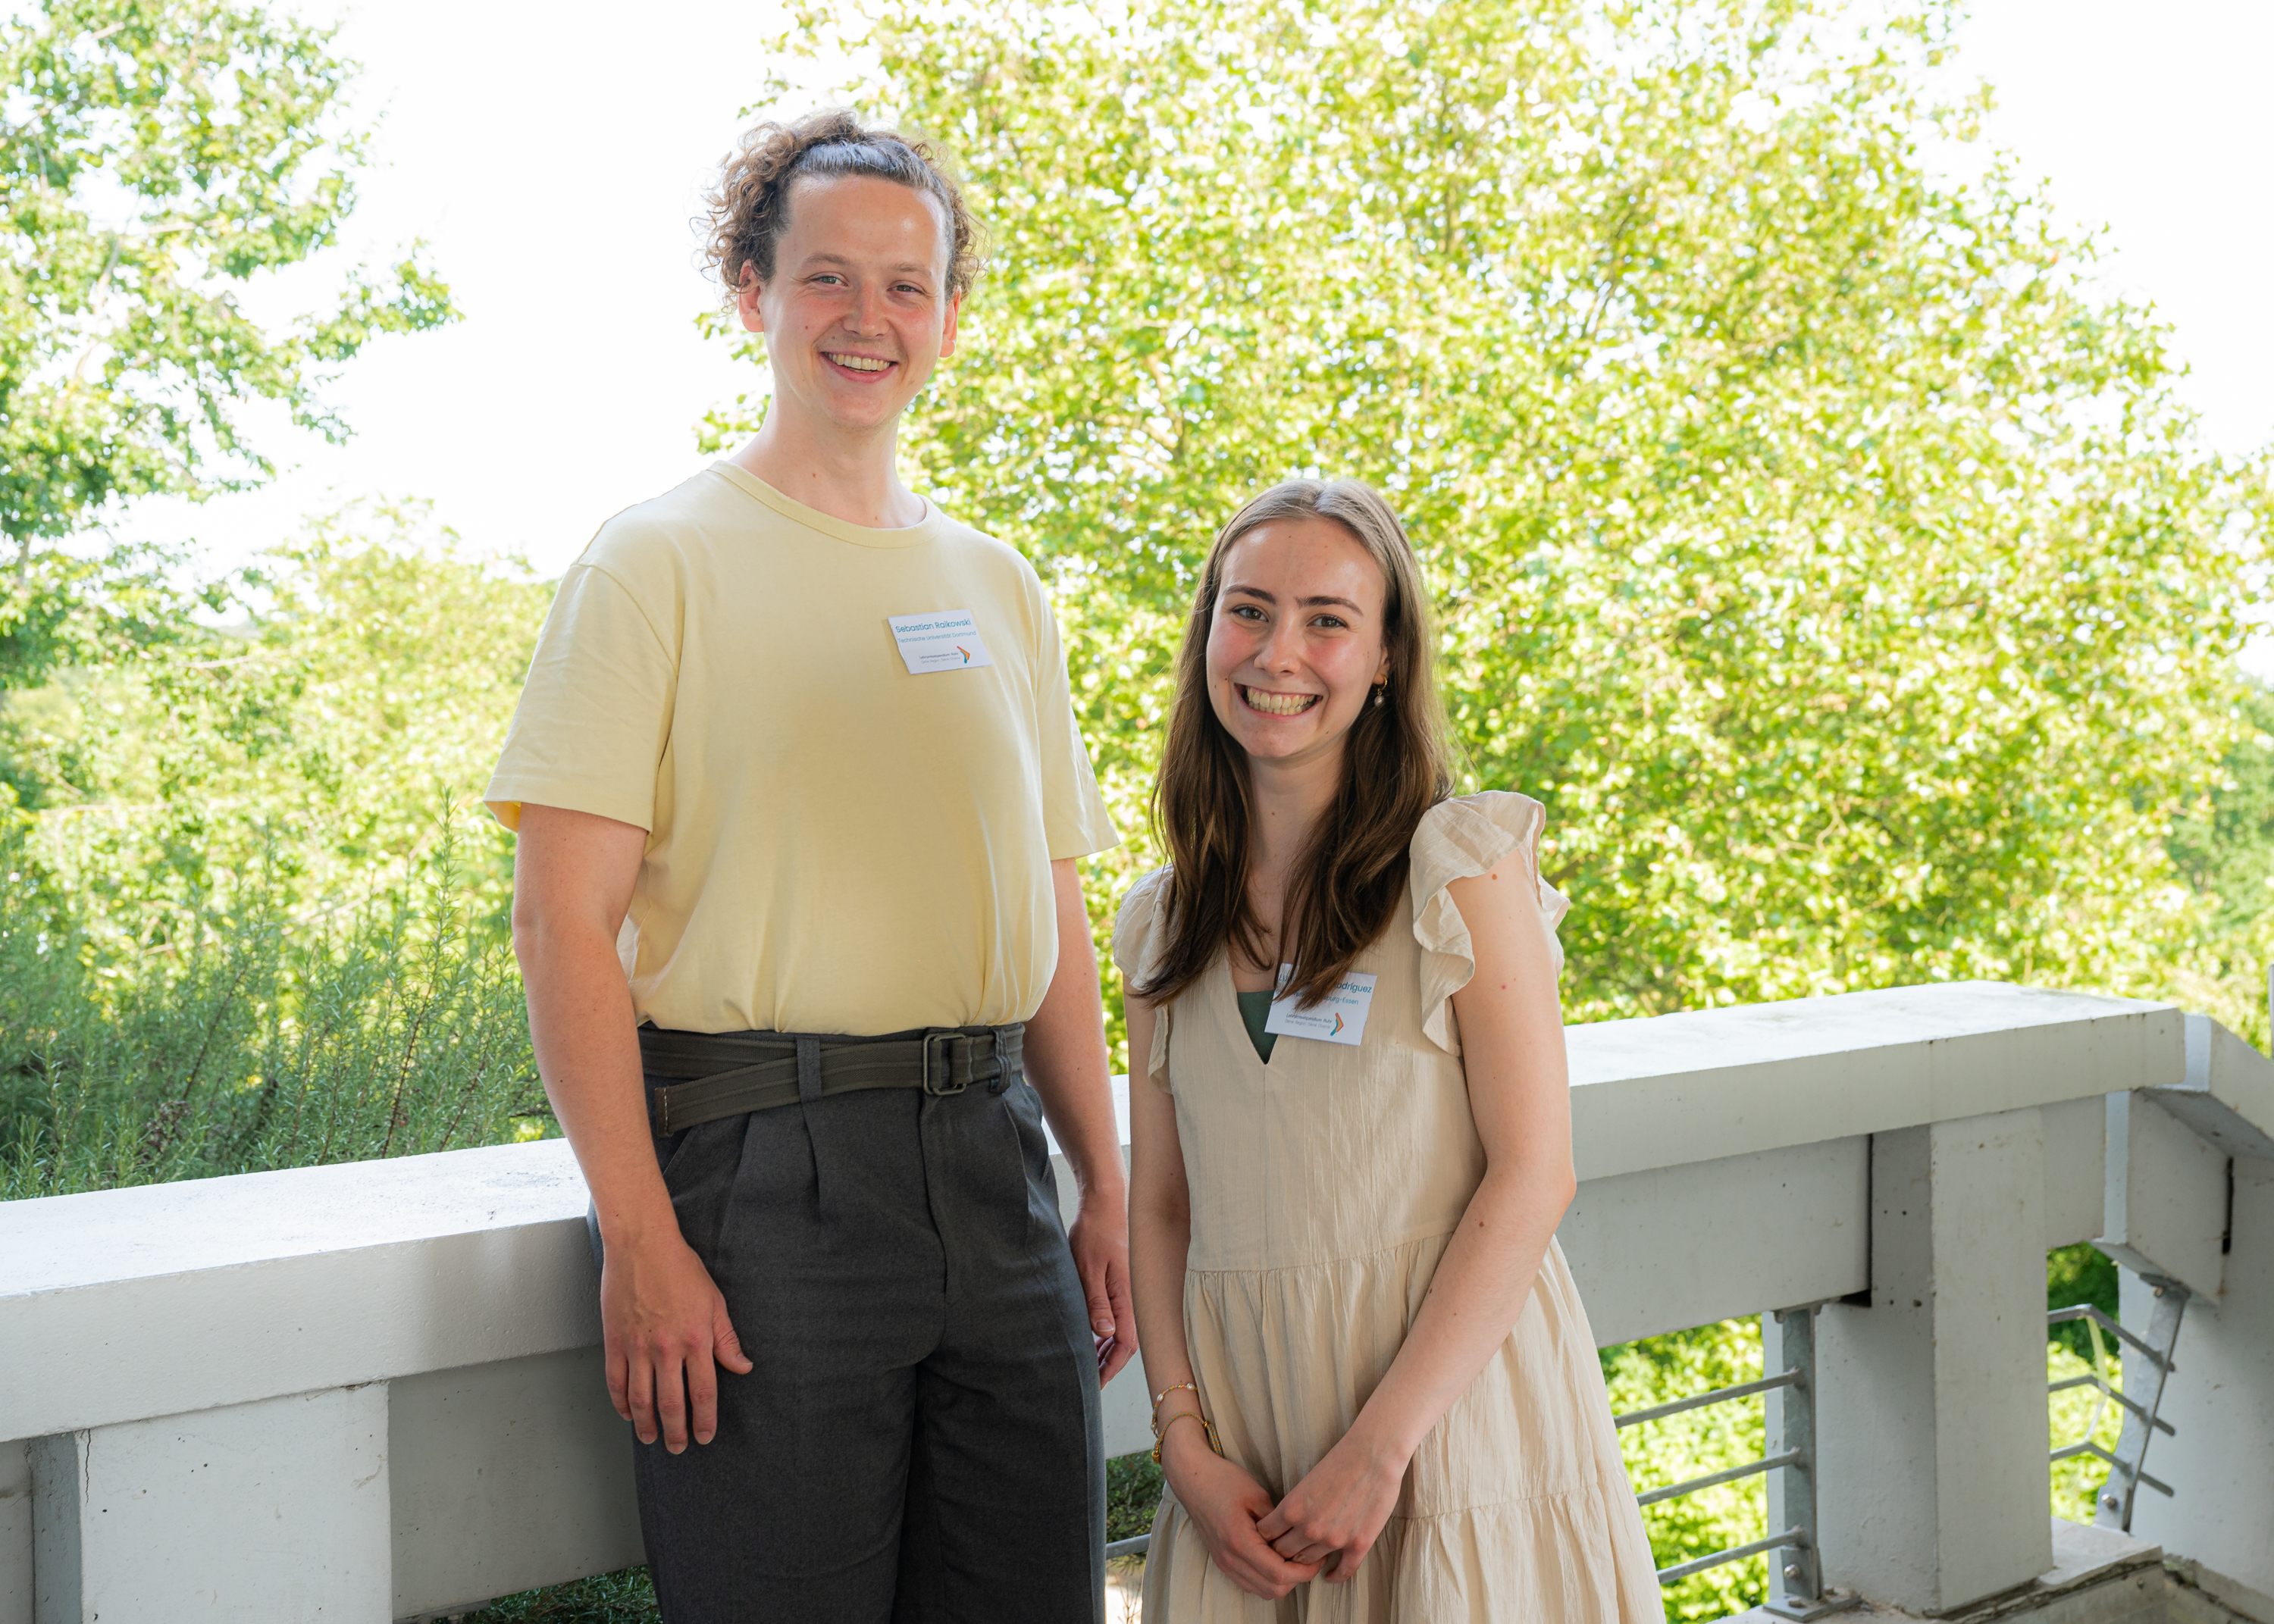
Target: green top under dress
1255 1009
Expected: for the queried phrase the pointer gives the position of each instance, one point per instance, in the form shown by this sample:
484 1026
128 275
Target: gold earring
1381 689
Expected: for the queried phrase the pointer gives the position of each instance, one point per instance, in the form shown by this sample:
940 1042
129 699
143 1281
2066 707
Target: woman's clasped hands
1326 1524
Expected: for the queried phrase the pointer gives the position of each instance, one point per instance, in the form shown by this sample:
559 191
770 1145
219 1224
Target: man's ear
746 299
948 328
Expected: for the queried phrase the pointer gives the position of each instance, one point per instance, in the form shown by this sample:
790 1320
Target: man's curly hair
749 207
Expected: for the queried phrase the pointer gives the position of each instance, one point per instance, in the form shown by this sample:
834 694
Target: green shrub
256 1037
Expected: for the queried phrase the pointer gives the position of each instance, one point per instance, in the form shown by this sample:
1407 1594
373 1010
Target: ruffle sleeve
1140 936
1456 840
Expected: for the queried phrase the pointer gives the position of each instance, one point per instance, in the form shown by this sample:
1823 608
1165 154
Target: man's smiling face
857 313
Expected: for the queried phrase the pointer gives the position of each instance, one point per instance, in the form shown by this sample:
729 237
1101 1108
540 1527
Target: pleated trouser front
919 1440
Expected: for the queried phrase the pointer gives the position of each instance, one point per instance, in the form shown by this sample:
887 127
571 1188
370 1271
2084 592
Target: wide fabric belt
731 1072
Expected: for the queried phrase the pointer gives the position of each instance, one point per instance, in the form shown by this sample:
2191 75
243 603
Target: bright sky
552 158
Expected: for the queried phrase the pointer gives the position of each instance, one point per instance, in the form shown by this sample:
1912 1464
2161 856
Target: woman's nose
1282 650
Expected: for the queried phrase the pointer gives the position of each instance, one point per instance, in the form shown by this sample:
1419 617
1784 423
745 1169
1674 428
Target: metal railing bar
2099 1454
1719 1395
2161 1425
1767 1463
1790 1536
2086 1310
1130 1547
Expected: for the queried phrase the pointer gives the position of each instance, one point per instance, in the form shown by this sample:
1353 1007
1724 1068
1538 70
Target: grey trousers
919 1442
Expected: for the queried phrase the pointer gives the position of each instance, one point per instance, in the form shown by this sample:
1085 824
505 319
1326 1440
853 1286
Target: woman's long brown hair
1346 883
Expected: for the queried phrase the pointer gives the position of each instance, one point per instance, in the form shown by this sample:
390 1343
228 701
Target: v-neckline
1240 1017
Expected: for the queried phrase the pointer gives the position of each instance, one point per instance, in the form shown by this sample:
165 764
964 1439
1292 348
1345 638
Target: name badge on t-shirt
1338 1018
945 640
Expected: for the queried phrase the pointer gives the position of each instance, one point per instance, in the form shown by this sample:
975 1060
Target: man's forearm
1066 1061
581 1023
1066 1053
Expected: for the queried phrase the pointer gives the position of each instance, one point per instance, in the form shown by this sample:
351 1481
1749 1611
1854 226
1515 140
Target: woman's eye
1332 620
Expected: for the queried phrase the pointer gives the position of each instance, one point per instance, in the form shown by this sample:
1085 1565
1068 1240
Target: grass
626 1596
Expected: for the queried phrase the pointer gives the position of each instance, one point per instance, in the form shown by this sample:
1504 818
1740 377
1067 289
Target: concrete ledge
174 1297
2235 1598
285 1282
1712 1083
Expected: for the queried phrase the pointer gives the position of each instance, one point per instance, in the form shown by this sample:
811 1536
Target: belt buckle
941 1082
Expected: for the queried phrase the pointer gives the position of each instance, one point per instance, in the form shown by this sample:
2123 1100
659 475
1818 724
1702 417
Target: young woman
1378 1397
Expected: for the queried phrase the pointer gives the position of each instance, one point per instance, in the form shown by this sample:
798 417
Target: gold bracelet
1173 1387
1207 1426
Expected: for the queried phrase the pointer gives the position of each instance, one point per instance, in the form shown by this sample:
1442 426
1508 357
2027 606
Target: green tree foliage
252 917
1842 572
2225 849
158 155
2082 1273
322 743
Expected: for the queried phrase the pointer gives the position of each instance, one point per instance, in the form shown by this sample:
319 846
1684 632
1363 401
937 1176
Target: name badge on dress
945 640
1338 1018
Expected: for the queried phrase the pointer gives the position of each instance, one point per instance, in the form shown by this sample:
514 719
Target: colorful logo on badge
960 649
1338 1026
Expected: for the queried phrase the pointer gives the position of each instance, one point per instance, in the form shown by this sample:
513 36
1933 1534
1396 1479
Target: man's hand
1100 1243
664 1327
1334 1515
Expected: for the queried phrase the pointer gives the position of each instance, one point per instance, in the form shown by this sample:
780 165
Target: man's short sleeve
1074 818
594 719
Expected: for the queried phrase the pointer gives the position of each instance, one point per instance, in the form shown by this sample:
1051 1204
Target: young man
806 744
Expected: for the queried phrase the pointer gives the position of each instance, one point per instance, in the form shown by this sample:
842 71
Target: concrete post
1932 1479
2219 1399
2165 1200
15 1534
271 1510
506 1477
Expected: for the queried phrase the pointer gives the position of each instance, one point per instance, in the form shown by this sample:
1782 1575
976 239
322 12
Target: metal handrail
2086 1310
2112 1505
1719 1394
2096 1381
2093 1449
1791 1538
1796 1590
1751 1469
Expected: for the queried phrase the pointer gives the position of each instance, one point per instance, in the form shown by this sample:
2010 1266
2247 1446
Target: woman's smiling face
1295 645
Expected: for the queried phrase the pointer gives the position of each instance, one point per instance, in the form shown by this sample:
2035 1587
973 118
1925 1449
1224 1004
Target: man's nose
866 315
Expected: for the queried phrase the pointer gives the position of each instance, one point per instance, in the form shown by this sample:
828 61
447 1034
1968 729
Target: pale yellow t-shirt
835 844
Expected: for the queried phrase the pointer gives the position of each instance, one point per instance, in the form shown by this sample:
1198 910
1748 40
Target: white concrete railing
372 1392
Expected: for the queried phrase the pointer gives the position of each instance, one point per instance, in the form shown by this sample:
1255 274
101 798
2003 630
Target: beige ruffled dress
1324 1187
